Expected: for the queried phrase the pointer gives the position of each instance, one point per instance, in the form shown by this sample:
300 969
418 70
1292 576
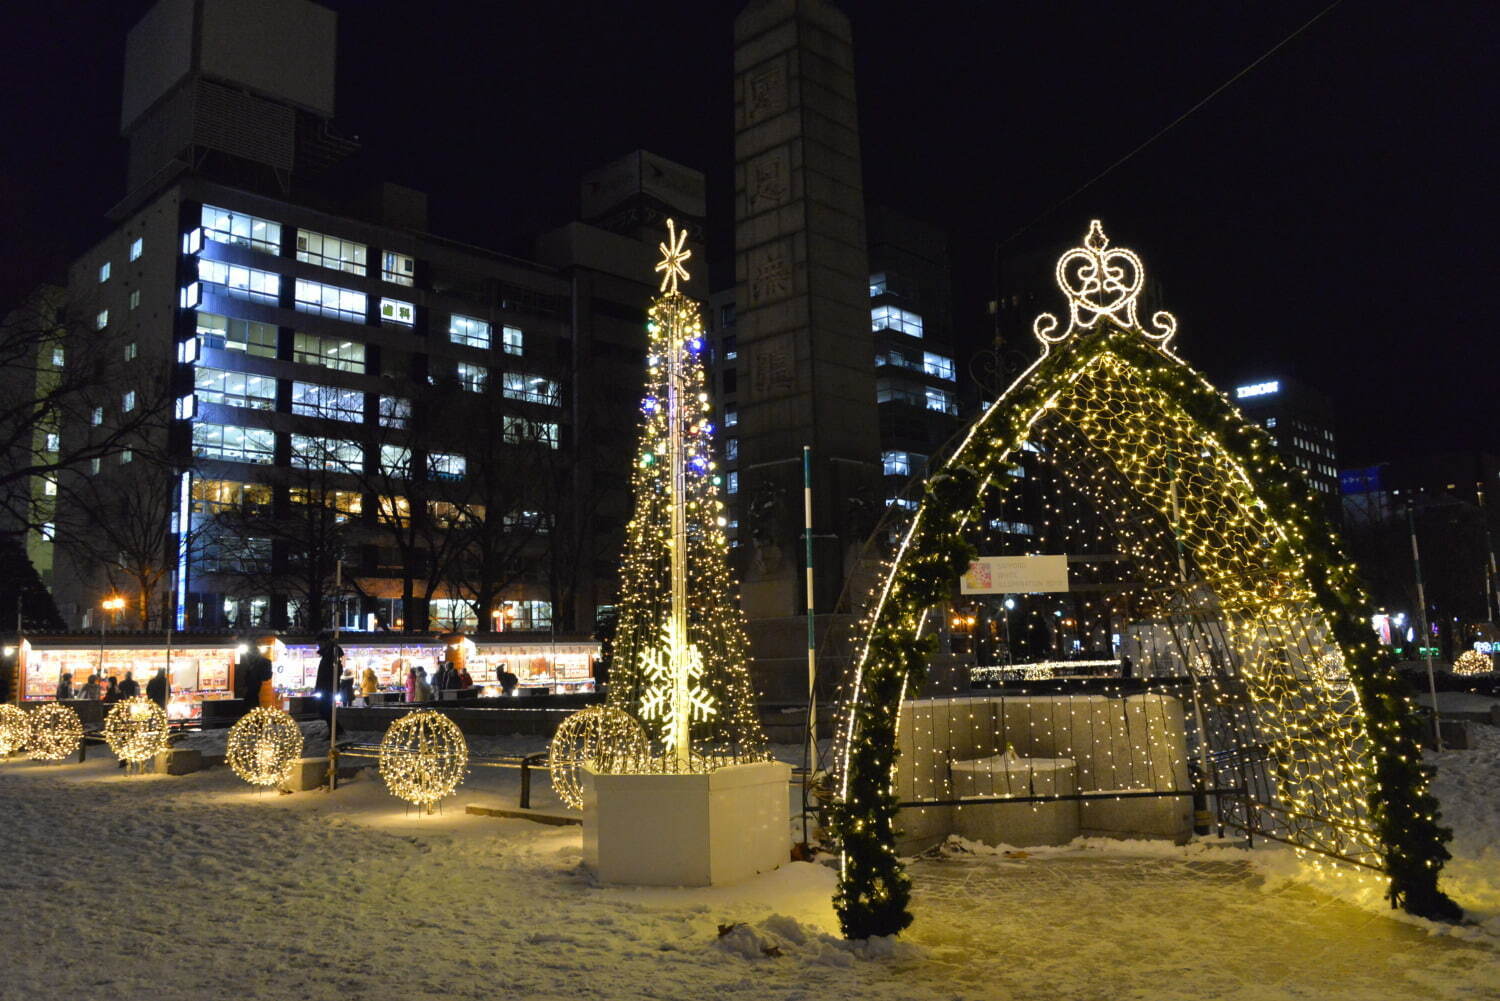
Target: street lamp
1010 605
111 604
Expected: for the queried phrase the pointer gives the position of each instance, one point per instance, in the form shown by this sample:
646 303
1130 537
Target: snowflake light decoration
672 256
662 700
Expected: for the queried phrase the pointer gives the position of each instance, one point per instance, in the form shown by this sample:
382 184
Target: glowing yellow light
136 729
263 746
604 739
423 757
1472 662
15 729
56 732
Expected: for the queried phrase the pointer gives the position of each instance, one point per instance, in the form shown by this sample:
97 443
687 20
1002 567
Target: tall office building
1300 422
805 370
344 396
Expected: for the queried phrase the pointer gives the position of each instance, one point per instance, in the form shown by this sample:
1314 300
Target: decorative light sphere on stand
56 732
423 757
15 730
604 738
264 746
1472 662
136 729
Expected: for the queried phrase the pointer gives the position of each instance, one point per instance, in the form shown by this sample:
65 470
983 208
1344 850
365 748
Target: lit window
103 272
942 401
345 504
330 352
939 365
1270 422
446 465
54 443
893 318
57 357
241 283
224 226
136 246
398 269
877 284
731 347
186 407
520 431
731 449
101 320
126 455
906 503
535 521
235 444
731 417
97 417
331 252
329 454
309 399
732 483
896 463
393 510
234 389
213 496
396 311
127 402
532 388
49 531
512 340
472 377
49 486
395 412
468 330
135 299
330 300
94 466
231 334
395 460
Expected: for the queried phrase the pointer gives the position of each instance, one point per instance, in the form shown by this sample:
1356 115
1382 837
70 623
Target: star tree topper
672 256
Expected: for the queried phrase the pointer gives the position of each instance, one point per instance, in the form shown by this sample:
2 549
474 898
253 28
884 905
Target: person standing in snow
423 690
129 688
157 689
330 663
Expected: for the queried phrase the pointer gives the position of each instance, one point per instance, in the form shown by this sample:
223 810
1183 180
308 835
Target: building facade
360 421
1300 422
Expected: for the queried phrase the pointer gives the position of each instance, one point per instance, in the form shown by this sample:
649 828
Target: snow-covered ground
192 887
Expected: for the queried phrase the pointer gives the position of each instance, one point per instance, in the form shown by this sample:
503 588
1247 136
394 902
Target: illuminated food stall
204 671
197 672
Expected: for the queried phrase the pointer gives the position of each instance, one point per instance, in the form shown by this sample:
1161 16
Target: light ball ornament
603 738
423 757
56 732
1472 662
136 729
263 746
15 730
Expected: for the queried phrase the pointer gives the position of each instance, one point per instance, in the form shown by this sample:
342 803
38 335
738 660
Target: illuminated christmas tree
680 649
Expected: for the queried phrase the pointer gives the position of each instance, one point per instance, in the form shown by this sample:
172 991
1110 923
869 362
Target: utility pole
1426 633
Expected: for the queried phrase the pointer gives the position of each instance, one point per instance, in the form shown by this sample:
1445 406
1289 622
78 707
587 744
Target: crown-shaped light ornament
1102 281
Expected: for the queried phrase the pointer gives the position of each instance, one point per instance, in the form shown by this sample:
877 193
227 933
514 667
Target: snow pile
1467 786
780 935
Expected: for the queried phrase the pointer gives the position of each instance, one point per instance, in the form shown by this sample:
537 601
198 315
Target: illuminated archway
1222 528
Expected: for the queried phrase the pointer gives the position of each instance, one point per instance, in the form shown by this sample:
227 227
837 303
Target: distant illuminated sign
1257 389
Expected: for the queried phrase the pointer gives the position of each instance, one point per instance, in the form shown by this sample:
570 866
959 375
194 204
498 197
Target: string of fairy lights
1147 460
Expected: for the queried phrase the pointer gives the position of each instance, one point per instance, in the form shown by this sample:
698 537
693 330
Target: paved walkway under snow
182 889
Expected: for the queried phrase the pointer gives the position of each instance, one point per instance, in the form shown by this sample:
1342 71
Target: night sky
1329 217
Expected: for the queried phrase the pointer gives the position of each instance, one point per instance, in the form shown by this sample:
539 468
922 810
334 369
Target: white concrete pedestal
687 830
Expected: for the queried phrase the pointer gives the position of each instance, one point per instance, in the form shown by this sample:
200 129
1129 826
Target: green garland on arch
874 891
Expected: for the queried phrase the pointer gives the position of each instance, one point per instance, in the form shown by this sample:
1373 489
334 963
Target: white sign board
1016 575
